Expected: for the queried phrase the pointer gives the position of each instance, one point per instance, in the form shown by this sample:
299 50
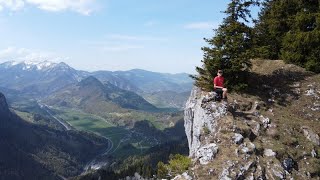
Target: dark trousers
219 91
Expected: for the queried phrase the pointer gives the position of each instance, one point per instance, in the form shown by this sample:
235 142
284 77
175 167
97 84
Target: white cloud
85 7
23 54
12 5
201 25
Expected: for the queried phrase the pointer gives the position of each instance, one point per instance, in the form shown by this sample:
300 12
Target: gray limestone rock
247 148
310 135
237 138
269 153
186 176
135 177
313 153
183 176
265 121
201 111
206 153
225 175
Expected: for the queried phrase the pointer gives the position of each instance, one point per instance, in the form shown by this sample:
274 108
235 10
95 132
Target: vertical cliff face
202 116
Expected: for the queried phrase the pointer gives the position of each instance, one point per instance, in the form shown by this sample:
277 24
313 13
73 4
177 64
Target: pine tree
272 25
229 49
300 45
290 30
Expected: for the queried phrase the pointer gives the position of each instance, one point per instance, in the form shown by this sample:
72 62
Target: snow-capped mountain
45 77
33 65
39 78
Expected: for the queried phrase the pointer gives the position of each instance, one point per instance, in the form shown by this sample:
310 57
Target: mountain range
37 78
125 112
40 79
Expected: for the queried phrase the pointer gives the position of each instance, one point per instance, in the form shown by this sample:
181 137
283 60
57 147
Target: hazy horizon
18 62
159 36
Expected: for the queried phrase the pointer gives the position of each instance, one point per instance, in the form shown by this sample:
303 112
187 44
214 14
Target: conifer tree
229 49
289 30
301 45
272 25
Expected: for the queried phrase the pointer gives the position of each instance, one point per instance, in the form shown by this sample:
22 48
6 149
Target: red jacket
218 81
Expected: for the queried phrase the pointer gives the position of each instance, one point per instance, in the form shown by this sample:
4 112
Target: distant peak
138 70
90 81
63 64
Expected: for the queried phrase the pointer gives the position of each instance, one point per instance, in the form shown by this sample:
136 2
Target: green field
120 136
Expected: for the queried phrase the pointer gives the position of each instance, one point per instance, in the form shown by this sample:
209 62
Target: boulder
247 148
269 153
237 138
310 135
206 153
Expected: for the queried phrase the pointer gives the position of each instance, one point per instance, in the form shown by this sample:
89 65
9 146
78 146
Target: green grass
89 122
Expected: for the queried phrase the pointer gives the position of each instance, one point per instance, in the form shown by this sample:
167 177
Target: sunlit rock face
201 116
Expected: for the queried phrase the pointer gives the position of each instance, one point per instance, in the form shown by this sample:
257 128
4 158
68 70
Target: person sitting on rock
218 85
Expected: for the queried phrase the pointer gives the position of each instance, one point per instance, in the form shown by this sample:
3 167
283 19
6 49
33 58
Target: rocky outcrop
4 109
3 104
206 153
201 118
237 140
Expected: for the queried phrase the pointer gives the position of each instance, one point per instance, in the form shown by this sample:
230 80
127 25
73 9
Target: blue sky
156 35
